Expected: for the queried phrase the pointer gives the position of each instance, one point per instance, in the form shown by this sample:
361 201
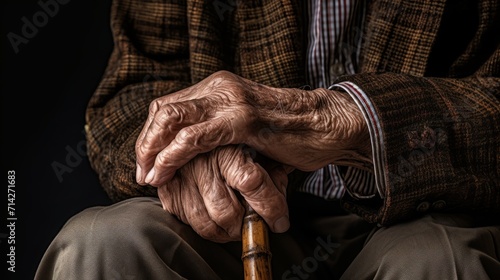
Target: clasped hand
192 148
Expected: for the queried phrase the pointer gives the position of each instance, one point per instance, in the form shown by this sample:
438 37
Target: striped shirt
334 41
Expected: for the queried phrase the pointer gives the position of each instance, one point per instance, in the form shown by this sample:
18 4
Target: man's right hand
303 129
203 193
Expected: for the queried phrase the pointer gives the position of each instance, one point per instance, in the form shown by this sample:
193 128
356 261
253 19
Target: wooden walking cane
256 253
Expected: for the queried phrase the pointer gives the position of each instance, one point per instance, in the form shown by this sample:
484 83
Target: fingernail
281 225
138 174
150 176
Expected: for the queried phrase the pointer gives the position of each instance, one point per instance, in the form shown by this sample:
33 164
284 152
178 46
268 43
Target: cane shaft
256 253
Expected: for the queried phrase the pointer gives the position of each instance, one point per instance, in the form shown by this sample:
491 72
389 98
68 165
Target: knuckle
201 137
250 179
147 147
139 140
222 218
171 113
161 160
187 136
221 79
207 229
140 152
137 146
169 122
164 115
221 74
144 149
154 105
224 214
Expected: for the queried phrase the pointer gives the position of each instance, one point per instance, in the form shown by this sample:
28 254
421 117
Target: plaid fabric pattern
333 49
334 39
435 90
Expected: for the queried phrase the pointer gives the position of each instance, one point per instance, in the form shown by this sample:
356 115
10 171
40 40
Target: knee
426 249
117 224
126 238
417 255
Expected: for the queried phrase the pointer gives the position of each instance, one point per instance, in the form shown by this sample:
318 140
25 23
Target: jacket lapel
272 44
259 40
265 40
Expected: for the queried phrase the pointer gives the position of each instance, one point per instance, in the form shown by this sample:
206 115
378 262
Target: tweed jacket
430 68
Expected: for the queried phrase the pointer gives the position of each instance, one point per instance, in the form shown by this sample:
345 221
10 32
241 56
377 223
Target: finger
163 127
153 107
170 198
189 142
185 202
278 172
279 176
181 95
222 205
259 190
201 222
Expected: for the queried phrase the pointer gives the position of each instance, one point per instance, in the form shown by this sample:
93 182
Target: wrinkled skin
203 193
300 129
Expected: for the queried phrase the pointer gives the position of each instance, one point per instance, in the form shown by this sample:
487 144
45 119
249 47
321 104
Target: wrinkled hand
303 129
203 193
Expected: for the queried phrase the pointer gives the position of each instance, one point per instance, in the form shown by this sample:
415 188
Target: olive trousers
137 239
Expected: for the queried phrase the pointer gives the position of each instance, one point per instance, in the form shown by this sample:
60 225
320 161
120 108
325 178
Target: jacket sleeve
149 59
441 145
439 131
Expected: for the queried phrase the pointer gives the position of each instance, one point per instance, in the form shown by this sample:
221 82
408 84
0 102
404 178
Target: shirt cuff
374 128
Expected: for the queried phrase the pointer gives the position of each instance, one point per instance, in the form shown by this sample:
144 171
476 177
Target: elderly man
365 134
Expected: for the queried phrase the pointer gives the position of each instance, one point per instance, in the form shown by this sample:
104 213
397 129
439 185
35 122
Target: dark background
45 88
